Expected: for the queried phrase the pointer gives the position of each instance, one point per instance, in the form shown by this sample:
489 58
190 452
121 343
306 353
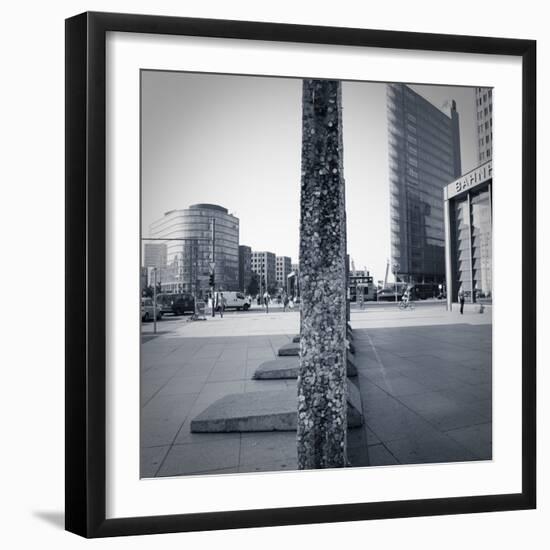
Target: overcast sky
236 141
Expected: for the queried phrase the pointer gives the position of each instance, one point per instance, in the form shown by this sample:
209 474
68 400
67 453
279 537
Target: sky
236 141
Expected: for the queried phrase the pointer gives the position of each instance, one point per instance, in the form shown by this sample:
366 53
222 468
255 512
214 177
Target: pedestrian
214 300
461 300
222 303
285 302
266 301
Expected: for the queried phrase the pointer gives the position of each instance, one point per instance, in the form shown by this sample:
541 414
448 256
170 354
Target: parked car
388 294
422 291
177 304
148 311
235 300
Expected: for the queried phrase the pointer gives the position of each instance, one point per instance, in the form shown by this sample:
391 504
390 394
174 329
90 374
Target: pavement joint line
171 445
438 429
365 423
383 443
379 360
203 472
173 350
469 426
161 388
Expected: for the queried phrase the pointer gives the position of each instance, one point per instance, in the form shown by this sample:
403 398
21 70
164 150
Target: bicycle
404 304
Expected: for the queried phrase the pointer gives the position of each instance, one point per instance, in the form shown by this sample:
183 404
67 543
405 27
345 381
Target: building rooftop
206 206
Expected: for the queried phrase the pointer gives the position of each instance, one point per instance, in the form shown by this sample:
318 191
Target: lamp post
396 267
213 266
154 300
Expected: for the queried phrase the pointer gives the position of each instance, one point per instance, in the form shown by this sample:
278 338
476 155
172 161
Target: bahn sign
470 180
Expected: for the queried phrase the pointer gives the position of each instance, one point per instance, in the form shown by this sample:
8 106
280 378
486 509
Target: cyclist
406 298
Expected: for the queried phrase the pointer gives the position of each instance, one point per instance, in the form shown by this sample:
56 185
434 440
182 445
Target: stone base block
263 411
355 407
351 367
290 350
282 367
287 367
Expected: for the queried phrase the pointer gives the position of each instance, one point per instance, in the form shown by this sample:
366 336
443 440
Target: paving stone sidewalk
426 391
426 394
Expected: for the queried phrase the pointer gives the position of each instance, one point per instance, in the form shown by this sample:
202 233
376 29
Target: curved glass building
196 238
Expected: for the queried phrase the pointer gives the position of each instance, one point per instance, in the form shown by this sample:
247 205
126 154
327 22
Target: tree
273 289
254 285
148 291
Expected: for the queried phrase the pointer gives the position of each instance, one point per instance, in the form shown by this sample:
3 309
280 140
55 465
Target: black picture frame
86 279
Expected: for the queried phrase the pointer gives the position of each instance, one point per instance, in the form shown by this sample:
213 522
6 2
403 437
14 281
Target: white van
234 300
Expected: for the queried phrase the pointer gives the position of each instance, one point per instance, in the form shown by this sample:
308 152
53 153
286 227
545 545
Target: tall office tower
424 156
245 267
484 113
263 264
283 267
197 237
154 257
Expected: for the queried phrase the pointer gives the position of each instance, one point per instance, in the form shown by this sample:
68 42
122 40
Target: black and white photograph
316 274
287 306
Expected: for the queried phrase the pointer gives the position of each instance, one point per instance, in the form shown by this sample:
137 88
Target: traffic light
211 279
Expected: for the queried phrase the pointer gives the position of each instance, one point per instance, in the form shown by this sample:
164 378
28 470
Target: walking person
266 301
213 302
222 304
461 299
285 302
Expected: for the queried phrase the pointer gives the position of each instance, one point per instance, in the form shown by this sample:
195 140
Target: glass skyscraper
484 114
424 156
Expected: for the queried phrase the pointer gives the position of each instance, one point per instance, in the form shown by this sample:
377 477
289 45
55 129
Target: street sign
212 266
